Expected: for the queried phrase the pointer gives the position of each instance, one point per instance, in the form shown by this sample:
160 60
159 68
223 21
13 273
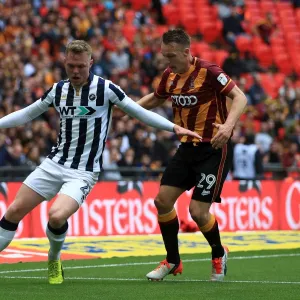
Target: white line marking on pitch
139 279
152 262
24 252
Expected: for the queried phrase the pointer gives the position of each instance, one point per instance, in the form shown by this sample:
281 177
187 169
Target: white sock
6 236
56 244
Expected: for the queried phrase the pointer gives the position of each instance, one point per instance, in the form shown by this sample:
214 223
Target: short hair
177 36
79 46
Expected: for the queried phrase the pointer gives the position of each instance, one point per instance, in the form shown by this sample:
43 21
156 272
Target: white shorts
50 178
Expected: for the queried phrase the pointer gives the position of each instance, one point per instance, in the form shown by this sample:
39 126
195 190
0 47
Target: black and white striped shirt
84 121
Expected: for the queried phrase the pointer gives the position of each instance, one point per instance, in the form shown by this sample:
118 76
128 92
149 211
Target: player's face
78 66
177 56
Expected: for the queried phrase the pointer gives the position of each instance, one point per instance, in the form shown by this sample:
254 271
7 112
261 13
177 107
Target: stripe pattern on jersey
211 103
81 140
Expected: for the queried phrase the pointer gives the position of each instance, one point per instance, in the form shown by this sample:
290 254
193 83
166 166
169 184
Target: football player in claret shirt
198 91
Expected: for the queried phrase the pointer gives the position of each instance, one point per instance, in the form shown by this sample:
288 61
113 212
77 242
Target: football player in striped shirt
84 103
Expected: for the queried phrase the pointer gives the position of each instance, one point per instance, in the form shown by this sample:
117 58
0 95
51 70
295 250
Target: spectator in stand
250 64
288 91
263 139
290 156
112 165
128 161
256 91
265 28
274 153
233 65
232 27
120 59
247 160
295 136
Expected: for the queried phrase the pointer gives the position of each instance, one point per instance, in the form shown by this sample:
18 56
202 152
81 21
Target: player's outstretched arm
24 115
150 101
152 119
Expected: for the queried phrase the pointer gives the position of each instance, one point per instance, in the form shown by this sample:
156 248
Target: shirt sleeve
115 94
28 113
161 92
219 80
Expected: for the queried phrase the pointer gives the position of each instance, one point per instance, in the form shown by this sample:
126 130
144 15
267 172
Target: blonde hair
79 46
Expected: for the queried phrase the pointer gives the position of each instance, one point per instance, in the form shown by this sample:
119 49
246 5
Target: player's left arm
239 102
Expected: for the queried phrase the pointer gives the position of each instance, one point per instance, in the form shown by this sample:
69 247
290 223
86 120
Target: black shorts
202 167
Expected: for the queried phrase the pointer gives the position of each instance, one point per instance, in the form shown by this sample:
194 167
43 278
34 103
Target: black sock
214 240
7 225
169 231
58 231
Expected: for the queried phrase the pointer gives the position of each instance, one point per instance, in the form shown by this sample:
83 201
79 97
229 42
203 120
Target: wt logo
76 111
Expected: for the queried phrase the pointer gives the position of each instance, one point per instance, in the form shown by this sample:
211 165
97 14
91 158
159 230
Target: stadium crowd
126 49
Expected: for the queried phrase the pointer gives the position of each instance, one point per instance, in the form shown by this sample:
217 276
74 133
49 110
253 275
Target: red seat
211 31
170 12
220 56
268 83
283 63
139 4
279 79
243 43
263 55
283 5
199 47
207 55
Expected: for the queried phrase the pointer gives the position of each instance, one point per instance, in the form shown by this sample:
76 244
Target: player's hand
222 136
182 131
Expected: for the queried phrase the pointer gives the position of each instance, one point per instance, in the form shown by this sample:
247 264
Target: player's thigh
178 173
37 187
211 174
78 184
45 183
26 200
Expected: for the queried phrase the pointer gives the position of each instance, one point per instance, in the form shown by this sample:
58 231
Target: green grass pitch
267 275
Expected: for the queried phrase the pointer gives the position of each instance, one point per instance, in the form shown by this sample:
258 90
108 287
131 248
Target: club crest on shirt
92 97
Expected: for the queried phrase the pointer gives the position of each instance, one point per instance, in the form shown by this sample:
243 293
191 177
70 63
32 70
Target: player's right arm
160 95
150 101
30 112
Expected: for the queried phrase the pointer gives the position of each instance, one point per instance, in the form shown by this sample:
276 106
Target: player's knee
56 218
160 202
199 216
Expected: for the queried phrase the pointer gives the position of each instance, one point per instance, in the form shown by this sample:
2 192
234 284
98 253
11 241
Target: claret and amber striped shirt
198 97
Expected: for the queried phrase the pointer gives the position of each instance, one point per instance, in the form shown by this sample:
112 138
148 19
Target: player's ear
186 51
91 62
